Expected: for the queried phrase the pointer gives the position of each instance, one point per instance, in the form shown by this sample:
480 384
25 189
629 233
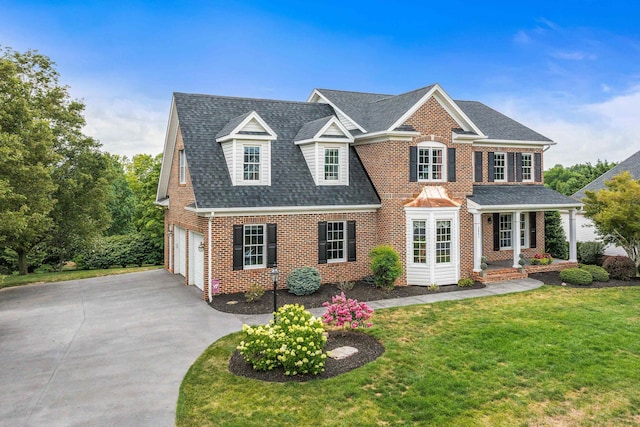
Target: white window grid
499 166
443 241
430 164
331 164
251 163
419 242
254 243
183 167
524 234
335 241
505 231
527 167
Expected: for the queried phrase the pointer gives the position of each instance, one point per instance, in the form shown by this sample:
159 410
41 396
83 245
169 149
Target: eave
281 210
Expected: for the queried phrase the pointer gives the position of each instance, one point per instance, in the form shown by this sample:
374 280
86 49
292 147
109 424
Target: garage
180 251
196 260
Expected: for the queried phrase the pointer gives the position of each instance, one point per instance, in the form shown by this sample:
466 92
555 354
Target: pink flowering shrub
347 313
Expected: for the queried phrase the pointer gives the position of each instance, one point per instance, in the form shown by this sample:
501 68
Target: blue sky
568 69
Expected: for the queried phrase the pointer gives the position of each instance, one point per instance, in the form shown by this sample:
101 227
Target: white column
573 252
515 237
477 241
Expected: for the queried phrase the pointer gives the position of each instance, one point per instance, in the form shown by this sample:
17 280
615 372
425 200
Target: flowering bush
347 313
294 341
542 259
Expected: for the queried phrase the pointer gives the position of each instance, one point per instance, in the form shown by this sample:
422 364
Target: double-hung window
251 163
183 167
524 230
331 164
336 238
443 241
527 167
254 246
499 166
419 242
430 163
505 231
336 241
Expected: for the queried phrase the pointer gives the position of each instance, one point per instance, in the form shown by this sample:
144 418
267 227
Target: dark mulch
361 291
369 349
553 278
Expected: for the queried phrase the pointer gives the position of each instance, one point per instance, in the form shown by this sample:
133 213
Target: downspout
209 258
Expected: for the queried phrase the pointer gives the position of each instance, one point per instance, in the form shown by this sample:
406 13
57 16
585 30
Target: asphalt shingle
518 195
631 165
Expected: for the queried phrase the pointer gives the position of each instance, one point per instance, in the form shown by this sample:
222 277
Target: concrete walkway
113 350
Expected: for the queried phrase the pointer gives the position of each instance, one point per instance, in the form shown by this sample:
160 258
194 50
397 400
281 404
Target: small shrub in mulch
576 276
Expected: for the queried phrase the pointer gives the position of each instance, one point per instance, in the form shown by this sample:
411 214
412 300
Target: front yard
553 356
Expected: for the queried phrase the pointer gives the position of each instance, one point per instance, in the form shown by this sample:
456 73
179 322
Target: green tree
554 236
571 179
615 212
121 204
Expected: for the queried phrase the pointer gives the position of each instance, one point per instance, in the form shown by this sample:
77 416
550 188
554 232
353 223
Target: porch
499 271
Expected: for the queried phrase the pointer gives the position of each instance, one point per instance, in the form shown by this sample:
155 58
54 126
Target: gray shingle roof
632 165
202 117
518 195
232 124
310 129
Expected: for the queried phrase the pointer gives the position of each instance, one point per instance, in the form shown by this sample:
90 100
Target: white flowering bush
294 341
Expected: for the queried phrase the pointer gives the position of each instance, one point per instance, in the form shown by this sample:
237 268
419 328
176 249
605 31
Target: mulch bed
369 349
361 291
553 278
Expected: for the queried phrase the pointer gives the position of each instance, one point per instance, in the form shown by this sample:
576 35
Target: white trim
510 143
234 134
444 165
335 107
167 153
505 167
344 242
533 167
182 167
264 247
473 207
283 210
397 135
164 203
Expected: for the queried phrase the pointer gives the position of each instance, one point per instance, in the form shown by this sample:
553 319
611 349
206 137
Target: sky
567 69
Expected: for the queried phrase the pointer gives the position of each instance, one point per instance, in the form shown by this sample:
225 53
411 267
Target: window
524 234
443 241
251 163
505 231
499 166
419 242
335 241
331 164
527 167
254 246
430 164
183 167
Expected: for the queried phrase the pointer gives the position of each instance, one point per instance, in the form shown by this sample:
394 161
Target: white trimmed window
183 166
251 163
505 230
527 167
419 242
499 166
443 241
332 164
336 241
524 229
254 246
430 163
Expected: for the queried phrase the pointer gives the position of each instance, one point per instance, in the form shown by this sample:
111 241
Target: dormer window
251 163
331 164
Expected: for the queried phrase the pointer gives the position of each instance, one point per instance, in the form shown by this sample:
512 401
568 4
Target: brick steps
500 275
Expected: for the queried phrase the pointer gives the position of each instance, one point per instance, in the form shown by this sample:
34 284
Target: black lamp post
274 276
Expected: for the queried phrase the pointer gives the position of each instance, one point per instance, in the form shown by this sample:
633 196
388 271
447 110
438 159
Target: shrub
541 259
386 266
295 341
347 313
303 281
599 274
465 283
576 276
345 285
620 267
591 253
254 293
554 236
434 287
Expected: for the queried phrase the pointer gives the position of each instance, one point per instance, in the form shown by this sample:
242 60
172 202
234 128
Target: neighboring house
251 183
584 227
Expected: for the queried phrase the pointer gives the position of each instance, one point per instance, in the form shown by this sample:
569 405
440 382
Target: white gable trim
510 143
320 135
167 156
316 94
371 138
448 104
235 133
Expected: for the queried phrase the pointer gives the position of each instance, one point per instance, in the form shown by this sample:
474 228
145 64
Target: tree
615 212
554 236
121 203
569 180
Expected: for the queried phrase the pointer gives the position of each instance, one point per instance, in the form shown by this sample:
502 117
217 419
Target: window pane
423 163
253 245
335 240
523 231
419 242
251 164
527 167
436 166
443 241
499 166
505 231
331 164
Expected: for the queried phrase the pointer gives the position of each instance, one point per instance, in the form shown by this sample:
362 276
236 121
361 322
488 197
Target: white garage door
196 260
179 251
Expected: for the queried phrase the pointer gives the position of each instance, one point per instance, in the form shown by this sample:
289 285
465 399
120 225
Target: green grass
553 356
17 280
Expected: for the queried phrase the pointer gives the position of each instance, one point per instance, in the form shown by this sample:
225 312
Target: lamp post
274 276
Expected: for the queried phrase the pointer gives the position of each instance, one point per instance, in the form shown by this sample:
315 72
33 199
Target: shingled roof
503 196
631 165
202 117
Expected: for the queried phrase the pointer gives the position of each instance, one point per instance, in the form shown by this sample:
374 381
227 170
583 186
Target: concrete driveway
101 352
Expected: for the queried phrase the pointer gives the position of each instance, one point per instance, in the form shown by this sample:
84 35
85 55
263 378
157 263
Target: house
585 231
248 184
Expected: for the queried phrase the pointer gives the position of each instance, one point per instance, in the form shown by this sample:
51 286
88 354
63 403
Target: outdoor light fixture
489 219
169 232
274 276
201 247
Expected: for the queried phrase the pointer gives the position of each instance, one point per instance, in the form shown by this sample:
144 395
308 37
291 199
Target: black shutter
322 242
238 234
478 166
451 164
538 166
532 229
490 164
272 245
519 167
511 167
351 241
496 231
413 164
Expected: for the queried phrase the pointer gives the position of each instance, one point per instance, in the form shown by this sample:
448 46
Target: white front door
196 260
179 251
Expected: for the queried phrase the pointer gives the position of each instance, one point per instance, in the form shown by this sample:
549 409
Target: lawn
17 280
553 356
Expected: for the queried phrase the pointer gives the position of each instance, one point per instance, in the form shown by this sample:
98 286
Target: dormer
325 146
246 144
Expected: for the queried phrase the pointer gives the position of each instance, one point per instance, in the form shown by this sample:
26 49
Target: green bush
130 249
303 281
591 253
554 236
294 341
620 267
254 293
465 283
576 276
599 274
386 266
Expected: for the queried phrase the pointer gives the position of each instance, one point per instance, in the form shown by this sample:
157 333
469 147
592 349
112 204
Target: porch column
515 238
477 241
573 247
